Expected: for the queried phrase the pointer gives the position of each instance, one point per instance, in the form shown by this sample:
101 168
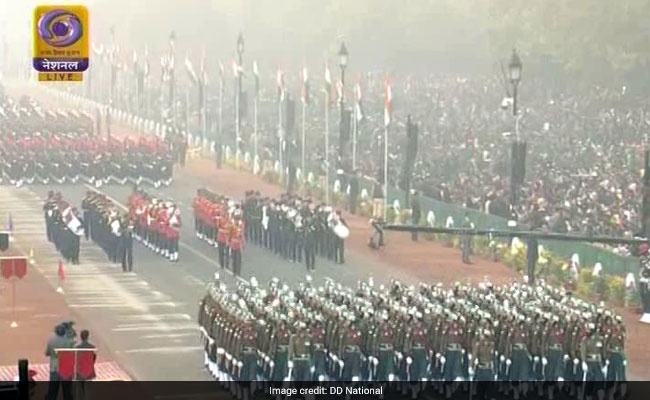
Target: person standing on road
416 213
60 340
127 249
82 392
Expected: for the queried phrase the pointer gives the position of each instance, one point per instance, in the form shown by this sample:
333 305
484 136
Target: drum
341 231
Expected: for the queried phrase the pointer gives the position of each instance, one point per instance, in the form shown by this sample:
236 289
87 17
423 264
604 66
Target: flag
328 81
357 97
202 71
305 86
190 70
98 50
135 60
339 91
61 272
235 68
388 104
280 82
222 72
147 68
256 73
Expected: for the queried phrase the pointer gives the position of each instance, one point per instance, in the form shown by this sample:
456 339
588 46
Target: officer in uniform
127 246
236 243
466 240
592 350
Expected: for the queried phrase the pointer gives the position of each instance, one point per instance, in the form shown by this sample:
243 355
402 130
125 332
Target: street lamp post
240 52
518 152
343 63
514 69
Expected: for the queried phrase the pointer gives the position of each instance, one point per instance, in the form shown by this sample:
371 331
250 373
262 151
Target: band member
236 242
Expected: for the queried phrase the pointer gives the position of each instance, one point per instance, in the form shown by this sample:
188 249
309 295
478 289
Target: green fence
612 263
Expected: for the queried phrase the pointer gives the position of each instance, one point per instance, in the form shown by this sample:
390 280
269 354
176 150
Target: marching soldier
299 353
483 363
236 242
616 359
592 350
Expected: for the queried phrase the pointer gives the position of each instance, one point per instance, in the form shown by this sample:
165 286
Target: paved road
147 318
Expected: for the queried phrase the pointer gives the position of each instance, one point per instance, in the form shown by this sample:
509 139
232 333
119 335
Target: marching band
157 223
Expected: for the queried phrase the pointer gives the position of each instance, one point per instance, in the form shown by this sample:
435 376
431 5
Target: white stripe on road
179 349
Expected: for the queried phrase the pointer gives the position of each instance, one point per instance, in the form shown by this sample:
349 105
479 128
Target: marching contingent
409 339
290 227
157 223
43 146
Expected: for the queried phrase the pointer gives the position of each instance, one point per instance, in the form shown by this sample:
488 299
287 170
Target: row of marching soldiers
218 221
514 339
157 223
110 229
295 228
64 226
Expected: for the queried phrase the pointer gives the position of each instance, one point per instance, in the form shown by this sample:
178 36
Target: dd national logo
60 36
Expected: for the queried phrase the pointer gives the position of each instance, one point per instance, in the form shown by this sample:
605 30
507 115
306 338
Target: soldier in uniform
236 242
466 240
300 353
279 351
223 231
483 363
616 360
592 350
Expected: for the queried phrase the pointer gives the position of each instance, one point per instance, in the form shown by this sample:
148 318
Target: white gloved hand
409 360
437 355
341 364
536 358
290 364
584 367
544 361
375 361
566 357
471 371
502 358
442 359
508 362
469 357
606 362
625 363
576 361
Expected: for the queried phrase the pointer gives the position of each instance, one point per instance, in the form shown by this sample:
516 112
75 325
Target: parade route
149 316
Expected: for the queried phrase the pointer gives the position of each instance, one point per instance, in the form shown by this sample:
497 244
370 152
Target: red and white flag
328 81
304 94
357 97
388 106
280 82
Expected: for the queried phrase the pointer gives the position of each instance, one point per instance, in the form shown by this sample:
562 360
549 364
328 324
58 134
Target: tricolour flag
305 86
256 73
190 70
388 106
147 67
328 81
221 77
280 82
357 97
202 70
339 91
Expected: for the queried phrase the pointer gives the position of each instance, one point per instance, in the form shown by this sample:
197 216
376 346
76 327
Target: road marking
169 336
179 349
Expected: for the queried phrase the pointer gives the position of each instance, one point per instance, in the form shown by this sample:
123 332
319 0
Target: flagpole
354 139
302 164
237 127
280 136
385 170
255 150
327 146
221 88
